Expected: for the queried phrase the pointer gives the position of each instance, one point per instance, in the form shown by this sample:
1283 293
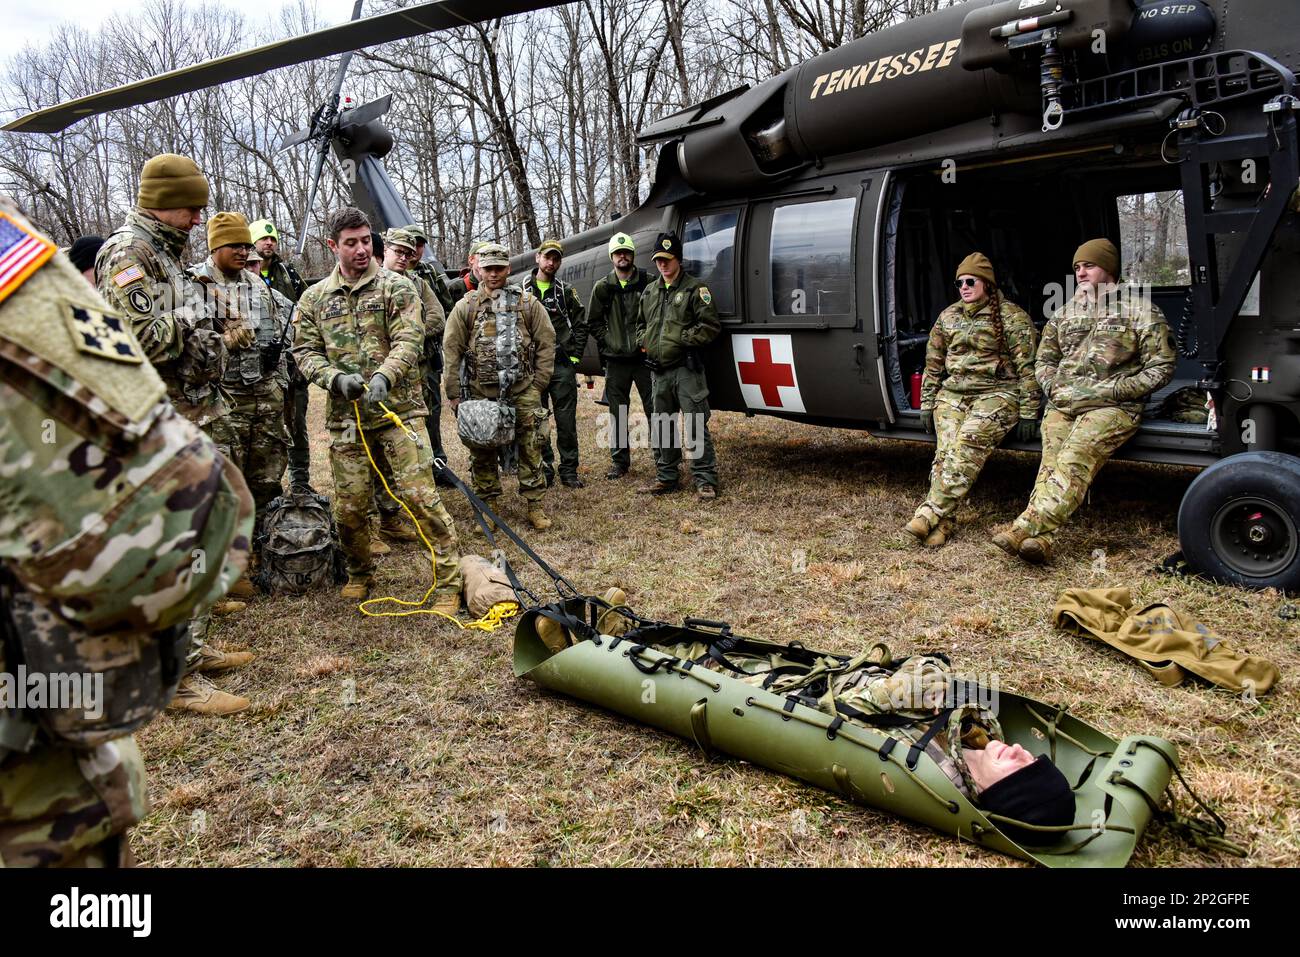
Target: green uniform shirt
1114 351
282 277
613 316
367 325
673 319
967 355
438 282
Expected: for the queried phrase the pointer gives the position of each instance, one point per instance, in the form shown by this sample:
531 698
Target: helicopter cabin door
798 336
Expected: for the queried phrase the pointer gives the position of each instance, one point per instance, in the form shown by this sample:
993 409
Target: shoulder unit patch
706 297
102 334
22 252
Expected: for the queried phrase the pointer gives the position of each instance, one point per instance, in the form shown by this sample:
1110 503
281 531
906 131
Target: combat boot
226 607
1009 541
537 518
611 622
554 636
942 532
356 589
1036 550
659 488
448 604
918 528
396 528
211 659
378 547
196 693
242 589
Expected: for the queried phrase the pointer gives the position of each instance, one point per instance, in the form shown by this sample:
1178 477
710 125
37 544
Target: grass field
406 742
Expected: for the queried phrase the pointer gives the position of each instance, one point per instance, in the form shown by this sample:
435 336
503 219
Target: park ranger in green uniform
1102 355
569 319
139 271
676 319
615 301
360 335
109 495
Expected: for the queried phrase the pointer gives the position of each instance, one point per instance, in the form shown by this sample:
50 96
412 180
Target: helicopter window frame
726 310
765 219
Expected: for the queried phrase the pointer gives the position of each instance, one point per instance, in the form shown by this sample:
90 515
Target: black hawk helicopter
825 208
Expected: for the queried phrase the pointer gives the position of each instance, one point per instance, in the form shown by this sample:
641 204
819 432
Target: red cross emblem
765 373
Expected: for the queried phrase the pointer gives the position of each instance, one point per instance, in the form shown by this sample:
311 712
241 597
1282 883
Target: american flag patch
22 252
127 276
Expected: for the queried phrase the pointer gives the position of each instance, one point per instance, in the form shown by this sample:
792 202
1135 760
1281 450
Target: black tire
1240 521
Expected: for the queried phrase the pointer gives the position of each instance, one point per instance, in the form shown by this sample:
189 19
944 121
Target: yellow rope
489 622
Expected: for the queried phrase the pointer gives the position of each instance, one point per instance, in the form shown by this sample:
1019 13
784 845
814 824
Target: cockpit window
709 245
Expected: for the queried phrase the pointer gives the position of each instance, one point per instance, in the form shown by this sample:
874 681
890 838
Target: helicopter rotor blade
294 138
311 194
366 112
343 38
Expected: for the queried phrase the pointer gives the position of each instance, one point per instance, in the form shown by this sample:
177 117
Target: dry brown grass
397 742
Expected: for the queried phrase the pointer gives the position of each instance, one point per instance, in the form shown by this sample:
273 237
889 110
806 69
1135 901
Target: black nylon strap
914 752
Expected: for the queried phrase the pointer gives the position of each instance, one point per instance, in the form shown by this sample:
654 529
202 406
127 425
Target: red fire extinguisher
916 390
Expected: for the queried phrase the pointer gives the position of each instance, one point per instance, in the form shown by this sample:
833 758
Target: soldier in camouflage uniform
139 272
257 370
569 319
425 270
109 494
978 382
677 317
1103 353
359 337
282 278
399 254
474 334
469 276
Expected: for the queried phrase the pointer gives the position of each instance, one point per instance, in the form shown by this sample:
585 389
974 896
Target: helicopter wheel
1240 521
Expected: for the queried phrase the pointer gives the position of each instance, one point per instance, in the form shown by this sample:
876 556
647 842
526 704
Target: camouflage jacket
283 278
138 270
367 325
613 314
437 282
673 319
471 335
1112 352
966 355
435 324
262 368
106 497
568 317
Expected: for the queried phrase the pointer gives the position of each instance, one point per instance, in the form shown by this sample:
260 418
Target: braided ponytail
995 304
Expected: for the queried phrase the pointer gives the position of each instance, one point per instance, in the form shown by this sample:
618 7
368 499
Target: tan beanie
169 181
1099 252
228 229
978 265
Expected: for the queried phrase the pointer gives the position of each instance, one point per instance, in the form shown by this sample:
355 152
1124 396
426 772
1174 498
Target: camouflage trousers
409 461
967 430
254 439
1074 450
530 435
686 391
66 807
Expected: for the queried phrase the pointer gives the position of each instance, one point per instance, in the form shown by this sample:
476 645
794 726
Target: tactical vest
556 302
495 358
201 364
261 360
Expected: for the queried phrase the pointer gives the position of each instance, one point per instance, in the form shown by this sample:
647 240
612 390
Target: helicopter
825 206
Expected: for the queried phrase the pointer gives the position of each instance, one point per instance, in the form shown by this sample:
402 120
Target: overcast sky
30 21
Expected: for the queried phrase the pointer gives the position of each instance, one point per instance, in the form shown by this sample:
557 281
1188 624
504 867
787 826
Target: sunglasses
968 283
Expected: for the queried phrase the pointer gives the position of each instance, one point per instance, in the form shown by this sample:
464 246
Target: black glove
1028 430
651 364
350 387
378 389
927 421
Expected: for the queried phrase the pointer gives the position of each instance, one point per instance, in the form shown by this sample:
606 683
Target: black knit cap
1037 794
84 250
